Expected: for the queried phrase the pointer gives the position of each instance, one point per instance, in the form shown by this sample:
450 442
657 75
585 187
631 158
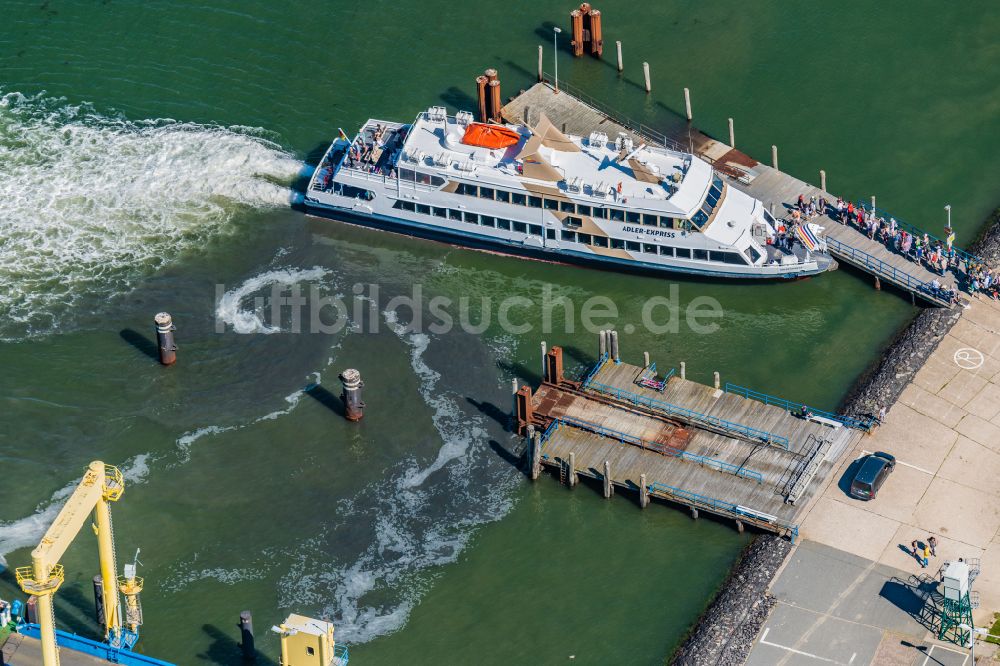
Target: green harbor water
148 152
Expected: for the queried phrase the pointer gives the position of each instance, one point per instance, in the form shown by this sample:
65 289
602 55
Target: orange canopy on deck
490 136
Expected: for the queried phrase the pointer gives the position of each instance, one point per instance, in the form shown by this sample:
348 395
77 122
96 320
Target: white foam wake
230 308
92 202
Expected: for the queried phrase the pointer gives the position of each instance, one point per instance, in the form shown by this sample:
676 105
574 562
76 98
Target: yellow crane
101 485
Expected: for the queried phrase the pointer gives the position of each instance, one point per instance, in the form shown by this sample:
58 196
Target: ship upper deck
597 169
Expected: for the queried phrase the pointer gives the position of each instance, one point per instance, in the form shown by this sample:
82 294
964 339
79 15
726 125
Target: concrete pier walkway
774 188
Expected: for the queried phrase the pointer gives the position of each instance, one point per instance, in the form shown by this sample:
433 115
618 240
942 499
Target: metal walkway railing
727 508
796 407
688 415
718 465
917 231
876 266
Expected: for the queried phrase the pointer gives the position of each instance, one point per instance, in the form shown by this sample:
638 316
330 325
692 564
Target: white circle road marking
968 358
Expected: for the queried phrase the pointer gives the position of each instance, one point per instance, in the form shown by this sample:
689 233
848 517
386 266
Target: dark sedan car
871 475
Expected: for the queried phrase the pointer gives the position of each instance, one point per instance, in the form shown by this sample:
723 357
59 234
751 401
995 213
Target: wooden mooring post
822 180
683 370
732 134
687 104
536 454
541 76
643 492
645 73
609 487
571 476
774 157
621 65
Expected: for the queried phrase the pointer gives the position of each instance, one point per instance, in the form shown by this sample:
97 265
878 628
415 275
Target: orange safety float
490 136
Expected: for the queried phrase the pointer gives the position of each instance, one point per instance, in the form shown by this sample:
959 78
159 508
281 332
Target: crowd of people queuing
938 256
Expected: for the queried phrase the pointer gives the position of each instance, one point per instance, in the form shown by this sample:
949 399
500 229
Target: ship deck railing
688 415
664 449
796 407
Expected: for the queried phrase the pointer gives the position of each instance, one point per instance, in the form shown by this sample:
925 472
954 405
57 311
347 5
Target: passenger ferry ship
539 192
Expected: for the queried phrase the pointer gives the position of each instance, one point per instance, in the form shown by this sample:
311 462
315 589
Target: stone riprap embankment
726 630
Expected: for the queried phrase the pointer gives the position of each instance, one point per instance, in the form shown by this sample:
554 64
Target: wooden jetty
566 109
706 448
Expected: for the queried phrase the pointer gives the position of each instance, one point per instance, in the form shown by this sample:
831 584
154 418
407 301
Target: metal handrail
730 508
875 264
643 131
917 231
665 449
594 370
750 394
689 414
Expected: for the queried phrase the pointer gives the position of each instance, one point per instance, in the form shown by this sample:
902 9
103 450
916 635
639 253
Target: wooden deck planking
768 184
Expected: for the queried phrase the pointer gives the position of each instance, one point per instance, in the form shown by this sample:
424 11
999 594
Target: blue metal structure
725 508
665 449
796 407
109 653
686 414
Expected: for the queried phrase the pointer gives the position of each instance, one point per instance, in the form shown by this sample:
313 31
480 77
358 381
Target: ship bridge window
485 193
518 199
716 180
617 244
567 207
601 213
470 190
634 218
534 202
503 195
573 222
650 220
752 254
667 222
551 204
700 218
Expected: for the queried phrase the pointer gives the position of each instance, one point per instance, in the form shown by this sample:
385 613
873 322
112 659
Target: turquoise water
146 158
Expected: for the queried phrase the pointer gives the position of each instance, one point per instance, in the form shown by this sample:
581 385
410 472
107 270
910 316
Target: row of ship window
576 237
563 206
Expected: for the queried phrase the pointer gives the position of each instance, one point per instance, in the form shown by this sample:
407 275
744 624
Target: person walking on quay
914 551
932 542
926 556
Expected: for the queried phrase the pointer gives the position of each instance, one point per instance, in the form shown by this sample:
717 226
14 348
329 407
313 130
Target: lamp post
948 208
972 638
555 53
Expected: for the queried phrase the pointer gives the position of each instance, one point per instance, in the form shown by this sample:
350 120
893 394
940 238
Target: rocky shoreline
724 634
726 630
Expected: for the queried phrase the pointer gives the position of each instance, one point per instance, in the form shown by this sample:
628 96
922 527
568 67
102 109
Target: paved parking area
945 433
835 607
